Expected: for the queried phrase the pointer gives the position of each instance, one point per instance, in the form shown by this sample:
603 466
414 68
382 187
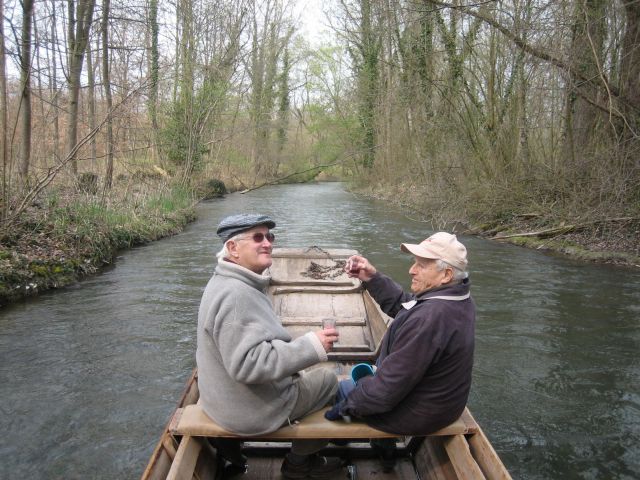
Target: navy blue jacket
424 369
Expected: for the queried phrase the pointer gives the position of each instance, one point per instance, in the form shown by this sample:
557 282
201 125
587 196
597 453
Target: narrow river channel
90 374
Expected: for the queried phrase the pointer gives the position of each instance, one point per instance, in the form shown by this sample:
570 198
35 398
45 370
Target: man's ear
448 275
232 247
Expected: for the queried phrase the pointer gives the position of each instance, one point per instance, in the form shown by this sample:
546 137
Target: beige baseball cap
440 246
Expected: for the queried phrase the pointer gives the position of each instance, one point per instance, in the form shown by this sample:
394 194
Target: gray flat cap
234 224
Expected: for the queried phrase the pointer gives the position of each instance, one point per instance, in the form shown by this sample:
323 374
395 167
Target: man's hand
360 268
327 338
334 413
338 412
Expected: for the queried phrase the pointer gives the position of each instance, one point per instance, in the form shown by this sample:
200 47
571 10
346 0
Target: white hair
458 275
224 251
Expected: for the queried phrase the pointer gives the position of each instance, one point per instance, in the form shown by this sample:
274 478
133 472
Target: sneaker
315 466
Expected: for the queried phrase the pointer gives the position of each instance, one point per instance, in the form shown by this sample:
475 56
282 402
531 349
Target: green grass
55 245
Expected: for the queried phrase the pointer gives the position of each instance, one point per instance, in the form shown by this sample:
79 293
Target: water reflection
89 374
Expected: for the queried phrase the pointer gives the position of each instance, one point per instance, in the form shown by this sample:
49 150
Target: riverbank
65 235
612 240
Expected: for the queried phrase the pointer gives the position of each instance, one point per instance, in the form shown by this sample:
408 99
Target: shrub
214 188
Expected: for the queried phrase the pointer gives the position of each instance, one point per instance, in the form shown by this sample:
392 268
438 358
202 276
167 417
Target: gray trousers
316 388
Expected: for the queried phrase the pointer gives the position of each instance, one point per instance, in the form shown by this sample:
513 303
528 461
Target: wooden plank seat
191 420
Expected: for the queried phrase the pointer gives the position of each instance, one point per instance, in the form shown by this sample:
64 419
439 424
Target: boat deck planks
268 468
313 307
370 468
186 459
309 285
462 461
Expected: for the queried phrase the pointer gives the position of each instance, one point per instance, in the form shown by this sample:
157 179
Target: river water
90 374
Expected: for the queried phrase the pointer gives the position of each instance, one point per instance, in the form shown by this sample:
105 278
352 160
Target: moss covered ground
65 235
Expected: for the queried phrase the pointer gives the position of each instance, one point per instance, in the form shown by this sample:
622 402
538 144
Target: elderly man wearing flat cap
423 373
249 368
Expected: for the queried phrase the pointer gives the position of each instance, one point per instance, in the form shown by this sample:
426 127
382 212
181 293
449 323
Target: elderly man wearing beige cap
423 374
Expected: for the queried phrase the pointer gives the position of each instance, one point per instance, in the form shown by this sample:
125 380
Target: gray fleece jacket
246 359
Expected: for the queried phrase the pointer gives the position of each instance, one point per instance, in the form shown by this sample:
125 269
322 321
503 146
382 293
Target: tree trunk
586 57
38 41
187 84
106 80
25 85
4 198
257 86
177 63
268 46
80 17
91 90
389 88
54 85
154 70
367 78
630 77
454 59
417 51
285 102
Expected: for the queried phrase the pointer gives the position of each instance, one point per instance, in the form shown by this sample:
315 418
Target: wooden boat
308 285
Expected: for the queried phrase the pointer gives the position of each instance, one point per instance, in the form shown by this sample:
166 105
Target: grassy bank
65 235
587 237
614 242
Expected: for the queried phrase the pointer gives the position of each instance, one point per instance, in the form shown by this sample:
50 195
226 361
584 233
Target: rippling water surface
90 374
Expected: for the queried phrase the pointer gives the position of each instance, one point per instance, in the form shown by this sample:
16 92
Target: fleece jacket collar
453 293
238 272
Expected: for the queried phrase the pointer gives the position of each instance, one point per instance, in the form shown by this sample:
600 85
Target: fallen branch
239 181
610 220
553 232
278 180
317 167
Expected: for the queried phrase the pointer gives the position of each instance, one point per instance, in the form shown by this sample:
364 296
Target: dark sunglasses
259 237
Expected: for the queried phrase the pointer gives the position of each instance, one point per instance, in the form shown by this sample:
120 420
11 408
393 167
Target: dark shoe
230 449
385 449
388 462
229 470
314 466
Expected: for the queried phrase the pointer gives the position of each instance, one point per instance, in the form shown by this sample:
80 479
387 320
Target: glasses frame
259 237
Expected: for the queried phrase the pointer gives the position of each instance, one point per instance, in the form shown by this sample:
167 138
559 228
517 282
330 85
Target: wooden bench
192 421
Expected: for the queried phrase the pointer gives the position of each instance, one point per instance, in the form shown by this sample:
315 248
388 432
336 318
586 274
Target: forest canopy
475 111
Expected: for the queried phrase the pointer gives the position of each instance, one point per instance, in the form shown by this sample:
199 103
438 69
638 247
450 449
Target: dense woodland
473 111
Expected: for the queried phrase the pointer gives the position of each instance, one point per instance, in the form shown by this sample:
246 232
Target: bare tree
271 34
52 54
284 104
80 15
630 74
154 68
4 198
586 57
91 100
25 86
106 82
362 27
